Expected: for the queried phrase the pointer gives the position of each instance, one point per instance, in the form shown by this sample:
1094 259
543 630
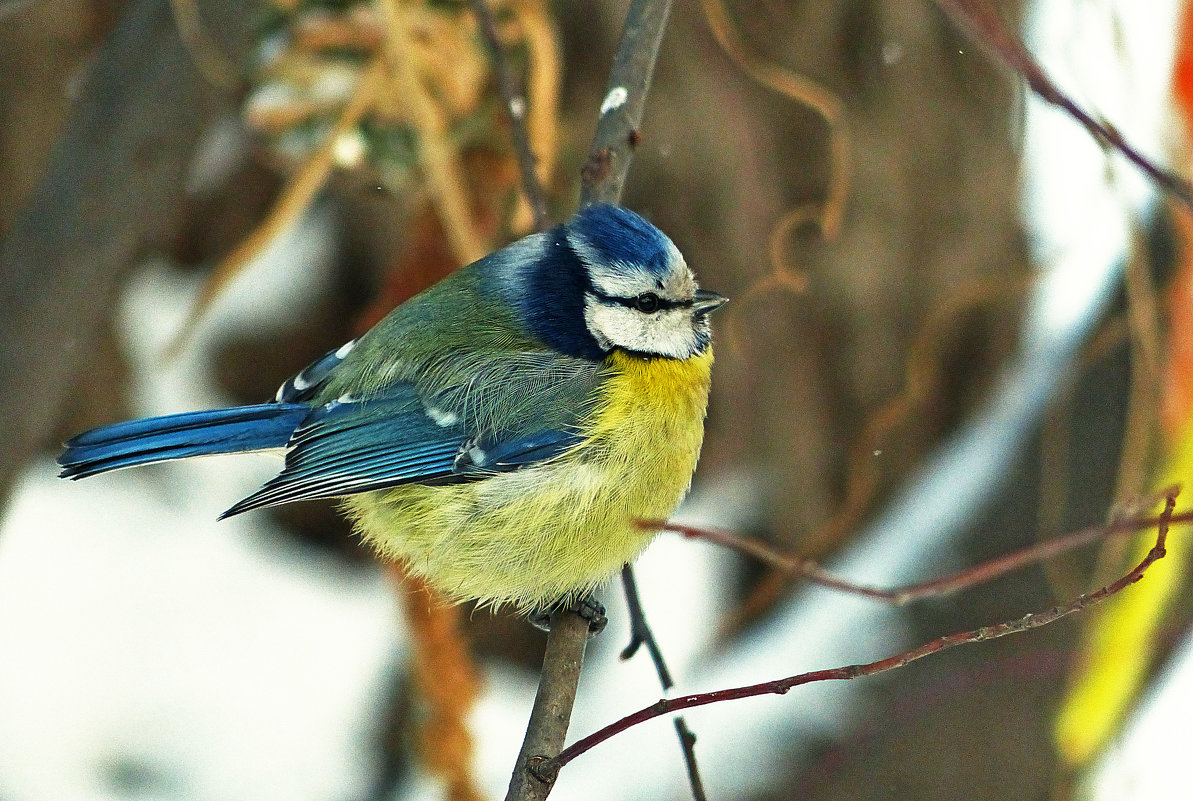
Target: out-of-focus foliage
309 64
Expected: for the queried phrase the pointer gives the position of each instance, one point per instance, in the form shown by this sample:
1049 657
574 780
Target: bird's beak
705 301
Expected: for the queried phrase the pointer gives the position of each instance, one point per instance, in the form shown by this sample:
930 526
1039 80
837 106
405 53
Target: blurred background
959 326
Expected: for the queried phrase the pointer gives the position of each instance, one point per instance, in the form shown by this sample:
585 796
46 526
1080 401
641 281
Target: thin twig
923 370
513 100
977 17
829 213
687 740
640 634
542 82
987 571
1029 621
617 127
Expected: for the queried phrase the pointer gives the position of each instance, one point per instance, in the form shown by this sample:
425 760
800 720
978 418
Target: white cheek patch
666 333
598 317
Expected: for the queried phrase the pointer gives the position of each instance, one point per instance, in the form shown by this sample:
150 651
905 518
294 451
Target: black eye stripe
633 303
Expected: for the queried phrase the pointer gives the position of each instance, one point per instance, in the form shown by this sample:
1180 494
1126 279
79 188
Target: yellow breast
548 533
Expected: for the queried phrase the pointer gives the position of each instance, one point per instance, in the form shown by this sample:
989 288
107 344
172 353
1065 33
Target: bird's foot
587 607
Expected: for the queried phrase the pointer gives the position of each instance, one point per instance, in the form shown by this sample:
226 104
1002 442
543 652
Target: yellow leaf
1121 642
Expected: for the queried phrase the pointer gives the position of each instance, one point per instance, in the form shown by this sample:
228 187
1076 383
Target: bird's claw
587 607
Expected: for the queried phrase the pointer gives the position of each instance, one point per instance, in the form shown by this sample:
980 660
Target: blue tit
500 433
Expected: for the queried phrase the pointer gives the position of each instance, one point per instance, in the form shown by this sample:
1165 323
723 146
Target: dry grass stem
295 198
437 156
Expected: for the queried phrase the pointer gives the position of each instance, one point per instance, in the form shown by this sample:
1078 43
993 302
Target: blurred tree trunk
113 184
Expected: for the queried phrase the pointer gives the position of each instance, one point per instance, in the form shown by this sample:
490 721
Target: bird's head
609 279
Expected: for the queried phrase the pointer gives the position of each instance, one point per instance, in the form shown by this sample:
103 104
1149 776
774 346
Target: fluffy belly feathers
555 531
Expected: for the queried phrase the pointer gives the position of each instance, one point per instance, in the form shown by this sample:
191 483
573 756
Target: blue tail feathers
177 436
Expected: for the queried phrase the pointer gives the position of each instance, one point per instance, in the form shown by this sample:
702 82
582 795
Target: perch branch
617 127
604 173
552 710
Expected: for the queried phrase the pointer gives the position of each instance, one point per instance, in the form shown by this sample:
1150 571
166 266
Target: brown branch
603 177
543 81
923 371
985 27
552 711
794 565
604 173
1029 621
829 213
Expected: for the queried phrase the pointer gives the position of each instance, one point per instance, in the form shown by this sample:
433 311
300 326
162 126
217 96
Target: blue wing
214 431
359 446
531 402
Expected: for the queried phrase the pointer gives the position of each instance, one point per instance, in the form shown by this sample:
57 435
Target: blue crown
623 236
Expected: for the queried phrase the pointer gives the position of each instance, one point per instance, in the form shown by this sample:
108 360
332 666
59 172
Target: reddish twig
977 17
810 569
1029 621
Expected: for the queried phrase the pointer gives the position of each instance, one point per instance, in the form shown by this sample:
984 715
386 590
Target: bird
502 434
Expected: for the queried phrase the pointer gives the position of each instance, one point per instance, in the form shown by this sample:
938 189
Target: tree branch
548 726
603 177
604 173
640 634
514 102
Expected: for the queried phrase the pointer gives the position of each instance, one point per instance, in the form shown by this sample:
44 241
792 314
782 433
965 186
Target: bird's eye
647 302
